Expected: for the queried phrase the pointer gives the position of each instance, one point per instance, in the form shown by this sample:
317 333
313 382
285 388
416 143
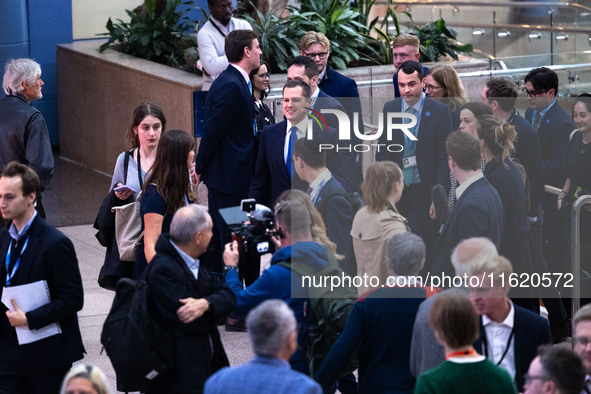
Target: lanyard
485 341
10 275
418 114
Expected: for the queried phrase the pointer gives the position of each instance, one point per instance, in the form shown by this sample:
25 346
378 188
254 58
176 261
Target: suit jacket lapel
28 257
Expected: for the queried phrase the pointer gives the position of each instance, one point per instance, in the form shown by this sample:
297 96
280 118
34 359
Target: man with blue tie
274 171
225 161
424 160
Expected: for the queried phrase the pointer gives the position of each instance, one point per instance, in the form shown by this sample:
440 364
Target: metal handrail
576 251
456 4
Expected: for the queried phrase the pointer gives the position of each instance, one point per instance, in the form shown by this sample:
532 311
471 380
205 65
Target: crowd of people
463 197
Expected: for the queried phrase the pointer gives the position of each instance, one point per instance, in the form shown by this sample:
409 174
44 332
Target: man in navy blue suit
509 334
316 46
225 161
478 211
34 251
272 328
329 198
553 126
424 161
305 69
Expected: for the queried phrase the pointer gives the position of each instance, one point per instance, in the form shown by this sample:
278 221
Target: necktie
293 138
410 148
250 87
254 121
537 120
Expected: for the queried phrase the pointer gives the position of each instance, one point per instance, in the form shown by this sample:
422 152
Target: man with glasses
317 47
211 38
582 341
405 47
553 126
555 371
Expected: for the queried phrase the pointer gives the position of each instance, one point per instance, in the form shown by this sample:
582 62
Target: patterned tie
293 138
537 121
410 148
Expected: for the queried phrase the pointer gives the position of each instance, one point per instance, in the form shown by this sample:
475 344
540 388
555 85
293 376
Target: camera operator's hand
276 241
231 254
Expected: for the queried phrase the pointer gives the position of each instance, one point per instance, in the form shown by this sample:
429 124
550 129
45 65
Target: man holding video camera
295 246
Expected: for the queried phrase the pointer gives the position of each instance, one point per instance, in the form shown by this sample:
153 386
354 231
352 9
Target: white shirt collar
225 29
508 322
302 127
318 183
462 188
244 73
323 73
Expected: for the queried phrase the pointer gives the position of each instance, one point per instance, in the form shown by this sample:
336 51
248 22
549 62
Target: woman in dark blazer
497 137
260 89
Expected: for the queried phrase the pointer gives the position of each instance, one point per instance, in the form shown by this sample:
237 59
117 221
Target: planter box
97 93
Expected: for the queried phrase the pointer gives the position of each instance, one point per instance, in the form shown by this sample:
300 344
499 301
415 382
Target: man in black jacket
188 300
35 252
23 130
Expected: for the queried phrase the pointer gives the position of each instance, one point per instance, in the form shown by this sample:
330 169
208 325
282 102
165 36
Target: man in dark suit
225 161
423 162
328 197
509 334
305 69
272 174
478 211
189 301
553 126
316 46
35 251
500 94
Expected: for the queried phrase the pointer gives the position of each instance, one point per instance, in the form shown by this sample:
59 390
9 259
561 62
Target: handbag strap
139 169
126 165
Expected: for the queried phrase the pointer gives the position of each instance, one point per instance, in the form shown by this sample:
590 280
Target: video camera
252 225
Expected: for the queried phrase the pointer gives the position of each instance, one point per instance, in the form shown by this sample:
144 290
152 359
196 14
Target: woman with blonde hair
85 379
442 81
318 227
497 143
379 220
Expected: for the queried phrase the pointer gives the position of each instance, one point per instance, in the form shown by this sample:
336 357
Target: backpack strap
126 165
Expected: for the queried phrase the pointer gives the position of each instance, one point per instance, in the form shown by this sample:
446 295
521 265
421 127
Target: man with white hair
273 335
425 352
189 301
23 130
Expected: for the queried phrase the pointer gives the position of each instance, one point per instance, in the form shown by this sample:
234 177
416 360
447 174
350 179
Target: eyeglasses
582 341
532 93
321 55
264 75
528 378
432 87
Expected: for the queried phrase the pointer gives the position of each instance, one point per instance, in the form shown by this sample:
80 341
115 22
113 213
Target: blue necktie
410 148
293 138
255 131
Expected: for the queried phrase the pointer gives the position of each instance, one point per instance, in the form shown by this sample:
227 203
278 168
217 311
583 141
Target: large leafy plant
437 40
276 45
338 21
151 35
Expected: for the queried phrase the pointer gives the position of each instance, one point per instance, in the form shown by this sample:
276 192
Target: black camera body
254 235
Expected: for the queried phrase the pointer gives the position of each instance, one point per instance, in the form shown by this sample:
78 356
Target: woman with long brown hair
167 189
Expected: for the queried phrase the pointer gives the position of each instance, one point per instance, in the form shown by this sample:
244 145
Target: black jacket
25 138
199 350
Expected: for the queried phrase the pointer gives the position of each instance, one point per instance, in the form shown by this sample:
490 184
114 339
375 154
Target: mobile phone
123 188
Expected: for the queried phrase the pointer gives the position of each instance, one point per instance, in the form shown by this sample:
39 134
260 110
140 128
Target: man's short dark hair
503 91
294 83
30 180
309 151
564 367
543 79
465 150
410 66
236 42
310 67
294 217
